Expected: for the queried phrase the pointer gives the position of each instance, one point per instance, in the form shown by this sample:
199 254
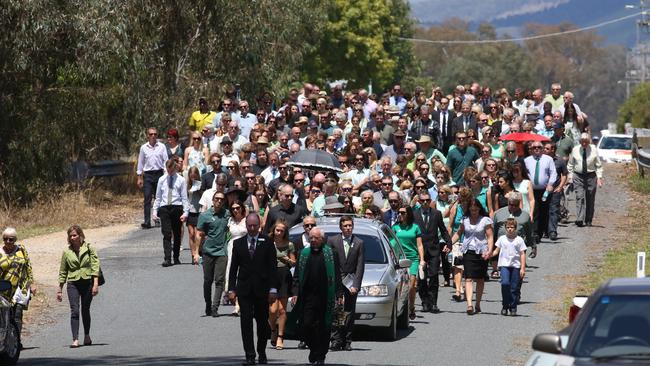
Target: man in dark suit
207 179
464 121
395 201
252 280
430 222
352 263
445 119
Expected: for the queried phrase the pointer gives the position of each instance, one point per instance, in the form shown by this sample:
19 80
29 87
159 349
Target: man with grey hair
238 140
555 97
369 105
511 156
586 172
514 210
568 99
316 287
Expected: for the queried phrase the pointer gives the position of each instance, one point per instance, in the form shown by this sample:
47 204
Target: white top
475 237
510 251
206 198
152 158
178 193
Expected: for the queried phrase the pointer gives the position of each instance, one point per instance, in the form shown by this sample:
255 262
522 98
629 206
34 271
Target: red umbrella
523 137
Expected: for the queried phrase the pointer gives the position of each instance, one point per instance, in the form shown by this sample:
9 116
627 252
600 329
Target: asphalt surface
147 315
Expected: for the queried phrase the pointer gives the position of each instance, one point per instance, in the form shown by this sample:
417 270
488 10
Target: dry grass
629 236
90 207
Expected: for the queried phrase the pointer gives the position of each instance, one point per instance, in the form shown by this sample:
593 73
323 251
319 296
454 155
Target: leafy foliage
636 110
360 43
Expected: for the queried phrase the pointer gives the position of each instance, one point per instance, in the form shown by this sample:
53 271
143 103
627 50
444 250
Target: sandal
412 314
456 297
274 337
75 344
470 310
280 342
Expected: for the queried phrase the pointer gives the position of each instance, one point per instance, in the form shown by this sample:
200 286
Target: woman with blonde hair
196 154
80 270
286 257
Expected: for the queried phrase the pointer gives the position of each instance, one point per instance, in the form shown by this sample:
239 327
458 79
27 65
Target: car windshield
618 143
373 250
617 325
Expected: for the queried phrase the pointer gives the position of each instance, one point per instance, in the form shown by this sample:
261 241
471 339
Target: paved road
147 314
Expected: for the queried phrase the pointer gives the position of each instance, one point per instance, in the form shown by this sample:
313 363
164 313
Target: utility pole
642 25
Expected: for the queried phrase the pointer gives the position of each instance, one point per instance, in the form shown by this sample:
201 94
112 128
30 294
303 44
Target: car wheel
390 332
403 319
12 346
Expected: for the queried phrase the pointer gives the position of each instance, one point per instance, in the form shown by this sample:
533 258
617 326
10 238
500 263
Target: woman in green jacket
80 269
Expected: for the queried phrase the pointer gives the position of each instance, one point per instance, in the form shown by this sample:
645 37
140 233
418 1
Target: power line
540 36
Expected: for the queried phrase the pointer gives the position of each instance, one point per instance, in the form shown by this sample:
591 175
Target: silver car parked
383 297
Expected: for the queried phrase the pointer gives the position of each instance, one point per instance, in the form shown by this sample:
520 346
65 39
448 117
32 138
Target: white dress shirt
178 193
152 157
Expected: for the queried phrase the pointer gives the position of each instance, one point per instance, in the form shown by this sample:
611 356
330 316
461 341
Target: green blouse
79 266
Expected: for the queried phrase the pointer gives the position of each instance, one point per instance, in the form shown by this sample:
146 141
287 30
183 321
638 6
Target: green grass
641 185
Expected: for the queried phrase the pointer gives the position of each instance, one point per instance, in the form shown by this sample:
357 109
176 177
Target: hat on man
532 112
423 138
394 119
332 203
399 133
313 124
225 140
393 109
262 140
302 119
558 125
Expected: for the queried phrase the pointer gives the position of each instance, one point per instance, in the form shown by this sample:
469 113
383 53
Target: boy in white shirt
511 249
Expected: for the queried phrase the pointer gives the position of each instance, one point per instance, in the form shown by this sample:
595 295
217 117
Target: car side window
394 242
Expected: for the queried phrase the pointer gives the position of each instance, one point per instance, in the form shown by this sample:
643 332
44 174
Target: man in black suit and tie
352 263
430 222
395 202
445 119
464 121
252 281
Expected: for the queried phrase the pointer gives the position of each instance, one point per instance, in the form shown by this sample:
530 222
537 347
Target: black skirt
285 280
192 218
475 265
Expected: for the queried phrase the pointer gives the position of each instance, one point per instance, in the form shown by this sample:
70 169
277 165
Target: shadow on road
137 361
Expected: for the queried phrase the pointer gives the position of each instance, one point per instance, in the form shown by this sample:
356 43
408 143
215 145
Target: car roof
617 135
627 286
362 225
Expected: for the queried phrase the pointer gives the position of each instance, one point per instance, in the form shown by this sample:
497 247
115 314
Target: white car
615 148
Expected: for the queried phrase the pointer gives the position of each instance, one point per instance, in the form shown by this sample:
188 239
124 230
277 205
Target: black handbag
101 280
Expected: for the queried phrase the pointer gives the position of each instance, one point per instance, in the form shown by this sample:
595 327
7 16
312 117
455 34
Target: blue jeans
510 287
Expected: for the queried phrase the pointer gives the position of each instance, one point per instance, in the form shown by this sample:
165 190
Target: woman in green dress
410 235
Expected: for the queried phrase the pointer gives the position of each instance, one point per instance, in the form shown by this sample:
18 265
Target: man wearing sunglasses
461 157
542 173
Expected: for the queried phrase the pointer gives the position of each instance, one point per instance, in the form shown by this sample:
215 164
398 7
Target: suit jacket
253 276
386 218
458 125
354 263
430 238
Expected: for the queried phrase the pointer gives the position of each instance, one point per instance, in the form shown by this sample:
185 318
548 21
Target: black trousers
254 307
553 211
428 287
343 335
80 290
170 222
315 332
540 215
150 183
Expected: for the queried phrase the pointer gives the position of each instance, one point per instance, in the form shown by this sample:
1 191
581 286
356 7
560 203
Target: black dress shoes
553 236
177 261
434 309
262 360
249 361
167 263
208 309
319 362
145 225
504 311
335 348
302 345
579 224
348 347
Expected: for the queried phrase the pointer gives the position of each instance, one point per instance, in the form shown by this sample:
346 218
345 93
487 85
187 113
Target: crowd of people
467 200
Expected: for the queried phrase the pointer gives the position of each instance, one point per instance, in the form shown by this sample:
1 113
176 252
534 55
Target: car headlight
374 290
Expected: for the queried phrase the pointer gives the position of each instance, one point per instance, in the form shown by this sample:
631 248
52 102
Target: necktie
465 123
444 124
346 246
251 246
394 218
425 216
584 161
274 172
170 189
536 180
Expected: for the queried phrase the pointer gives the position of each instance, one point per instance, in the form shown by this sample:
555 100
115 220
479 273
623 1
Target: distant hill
509 16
